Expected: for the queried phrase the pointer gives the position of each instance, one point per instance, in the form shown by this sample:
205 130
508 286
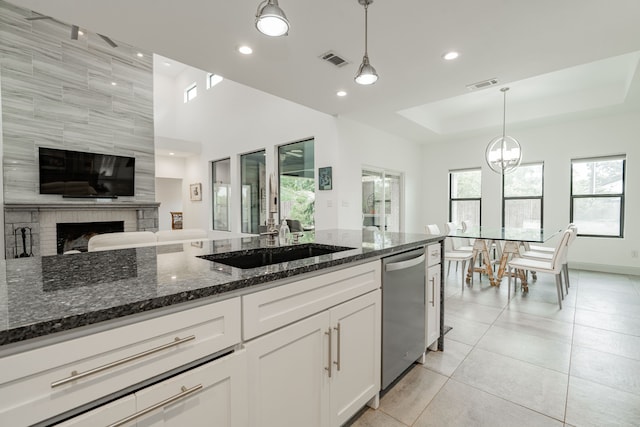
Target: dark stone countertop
40 296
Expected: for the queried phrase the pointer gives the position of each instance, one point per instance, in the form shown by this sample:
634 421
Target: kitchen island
49 302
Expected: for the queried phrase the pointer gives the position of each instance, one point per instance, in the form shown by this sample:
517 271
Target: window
190 92
597 196
221 177
381 199
522 197
212 80
465 196
254 191
296 171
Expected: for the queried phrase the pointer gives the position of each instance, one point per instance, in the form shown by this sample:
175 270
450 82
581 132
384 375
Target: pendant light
271 20
366 73
504 153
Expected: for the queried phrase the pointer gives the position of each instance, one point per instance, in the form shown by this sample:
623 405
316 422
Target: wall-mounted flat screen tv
81 174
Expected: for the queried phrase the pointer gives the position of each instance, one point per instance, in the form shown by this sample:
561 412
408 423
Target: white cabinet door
288 379
356 355
433 305
214 394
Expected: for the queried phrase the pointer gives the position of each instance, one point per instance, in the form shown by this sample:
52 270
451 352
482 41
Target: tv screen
80 174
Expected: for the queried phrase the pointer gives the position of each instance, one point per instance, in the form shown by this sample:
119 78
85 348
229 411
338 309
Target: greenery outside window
221 177
465 196
297 184
597 196
522 200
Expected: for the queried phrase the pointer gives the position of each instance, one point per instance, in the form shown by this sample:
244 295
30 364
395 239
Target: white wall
232 119
169 194
555 144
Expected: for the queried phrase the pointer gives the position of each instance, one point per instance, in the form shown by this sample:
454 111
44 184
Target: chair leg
559 289
509 284
565 269
449 267
464 263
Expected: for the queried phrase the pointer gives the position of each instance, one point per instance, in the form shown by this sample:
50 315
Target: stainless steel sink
261 257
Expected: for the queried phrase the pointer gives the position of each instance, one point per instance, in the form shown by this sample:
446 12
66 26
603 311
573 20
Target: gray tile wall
58 92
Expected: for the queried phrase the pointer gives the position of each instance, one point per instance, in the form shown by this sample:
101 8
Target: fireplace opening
76 235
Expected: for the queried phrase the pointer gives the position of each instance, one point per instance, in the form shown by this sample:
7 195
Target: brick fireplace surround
42 220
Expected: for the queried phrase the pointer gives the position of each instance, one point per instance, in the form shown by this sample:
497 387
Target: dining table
508 241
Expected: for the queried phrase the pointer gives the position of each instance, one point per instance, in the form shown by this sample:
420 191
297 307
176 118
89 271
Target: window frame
188 90
465 199
278 169
621 196
541 197
210 77
213 194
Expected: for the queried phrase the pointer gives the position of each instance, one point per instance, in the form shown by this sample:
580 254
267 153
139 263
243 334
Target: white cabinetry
214 392
318 371
432 291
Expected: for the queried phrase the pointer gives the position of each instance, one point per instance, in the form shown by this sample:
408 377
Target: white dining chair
459 244
553 266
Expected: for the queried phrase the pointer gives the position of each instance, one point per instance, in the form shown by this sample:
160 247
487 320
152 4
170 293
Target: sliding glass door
296 170
253 191
381 199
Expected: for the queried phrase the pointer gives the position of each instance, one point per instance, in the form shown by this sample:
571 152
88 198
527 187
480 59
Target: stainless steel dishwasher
403 312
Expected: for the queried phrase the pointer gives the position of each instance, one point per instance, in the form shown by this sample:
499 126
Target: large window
221 177
523 196
296 169
597 196
253 195
381 199
465 196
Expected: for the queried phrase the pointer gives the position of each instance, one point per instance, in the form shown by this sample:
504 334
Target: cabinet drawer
433 254
273 308
38 384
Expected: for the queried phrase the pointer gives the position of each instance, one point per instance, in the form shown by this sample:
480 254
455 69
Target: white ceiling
565 57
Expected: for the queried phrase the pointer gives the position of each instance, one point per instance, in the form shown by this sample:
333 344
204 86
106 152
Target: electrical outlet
634 254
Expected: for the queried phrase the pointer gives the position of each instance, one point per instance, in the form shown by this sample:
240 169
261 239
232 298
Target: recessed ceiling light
449 56
171 154
245 50
140 54
341 93
114 84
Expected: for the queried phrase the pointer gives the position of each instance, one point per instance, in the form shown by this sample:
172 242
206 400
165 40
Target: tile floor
527 363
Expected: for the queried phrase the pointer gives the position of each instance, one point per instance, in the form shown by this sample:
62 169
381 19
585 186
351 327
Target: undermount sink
261 257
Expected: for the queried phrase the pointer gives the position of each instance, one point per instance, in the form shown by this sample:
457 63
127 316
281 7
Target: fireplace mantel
79 205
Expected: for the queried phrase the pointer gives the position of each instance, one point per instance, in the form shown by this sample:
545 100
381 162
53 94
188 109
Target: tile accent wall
81 95
60 93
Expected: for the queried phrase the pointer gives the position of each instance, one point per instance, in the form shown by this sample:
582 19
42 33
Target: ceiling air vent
334 59
483 84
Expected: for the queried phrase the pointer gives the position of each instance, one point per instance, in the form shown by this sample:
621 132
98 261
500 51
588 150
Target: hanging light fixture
366 73
504 153
271 20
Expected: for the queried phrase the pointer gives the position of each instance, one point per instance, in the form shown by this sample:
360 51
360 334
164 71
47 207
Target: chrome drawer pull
433 292
328 368
337 362
184 393
76 376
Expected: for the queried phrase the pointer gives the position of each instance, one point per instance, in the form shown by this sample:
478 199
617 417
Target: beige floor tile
487 295
471 311
463 330
533 349
613 302
607 341
542 309
445 362
607 369
460 405
376 418
408 398
592 404
536 325
611 322
533 387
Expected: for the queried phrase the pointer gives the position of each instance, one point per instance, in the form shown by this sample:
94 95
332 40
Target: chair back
456 242
432 229
466 224
560 254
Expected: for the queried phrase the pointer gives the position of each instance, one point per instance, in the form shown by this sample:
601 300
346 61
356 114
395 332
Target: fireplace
76 235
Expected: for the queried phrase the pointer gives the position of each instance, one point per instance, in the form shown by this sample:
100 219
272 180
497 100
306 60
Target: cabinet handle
76 376
433 292
337 362
328 368
183 393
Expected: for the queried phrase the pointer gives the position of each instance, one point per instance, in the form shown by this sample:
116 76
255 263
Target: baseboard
605 268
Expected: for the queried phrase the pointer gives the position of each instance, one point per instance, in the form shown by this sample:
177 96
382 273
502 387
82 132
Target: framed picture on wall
195 192
325 181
